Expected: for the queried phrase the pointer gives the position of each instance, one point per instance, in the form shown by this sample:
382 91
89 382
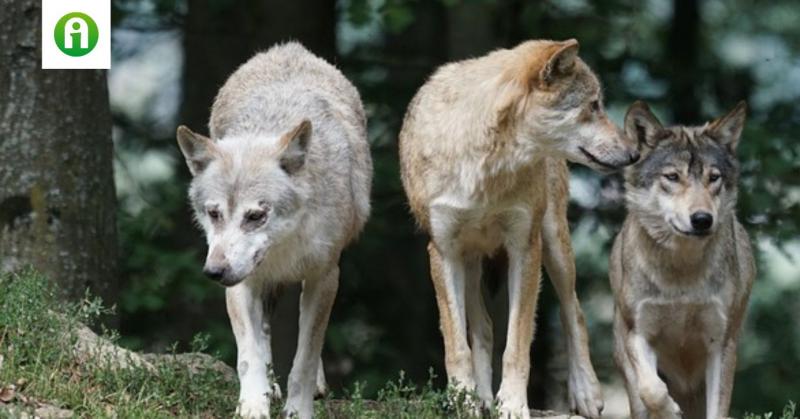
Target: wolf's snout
215 272
702 221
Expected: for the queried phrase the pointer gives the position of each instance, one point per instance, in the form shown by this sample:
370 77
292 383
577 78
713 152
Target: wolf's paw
253 409
671 410
322 385
512 406
518 412
298 410
584 392
655 396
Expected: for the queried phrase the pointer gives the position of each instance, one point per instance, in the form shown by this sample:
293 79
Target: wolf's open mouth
690 233
595 160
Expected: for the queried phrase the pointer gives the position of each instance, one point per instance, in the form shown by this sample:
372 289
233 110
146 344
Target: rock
27 408
93 349
195 362
51 412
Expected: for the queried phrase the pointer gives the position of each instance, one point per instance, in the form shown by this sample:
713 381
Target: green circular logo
76 34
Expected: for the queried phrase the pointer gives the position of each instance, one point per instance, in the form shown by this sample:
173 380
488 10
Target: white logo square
76 34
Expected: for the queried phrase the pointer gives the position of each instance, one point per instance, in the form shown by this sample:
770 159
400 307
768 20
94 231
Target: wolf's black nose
634 156
215 272
702 221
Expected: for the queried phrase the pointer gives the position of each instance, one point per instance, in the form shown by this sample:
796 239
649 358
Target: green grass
401 399
37 346
789 412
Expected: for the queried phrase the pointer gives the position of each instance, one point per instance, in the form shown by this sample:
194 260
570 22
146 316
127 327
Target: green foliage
394 15
151 268
37 341
404 400
397 16
787 413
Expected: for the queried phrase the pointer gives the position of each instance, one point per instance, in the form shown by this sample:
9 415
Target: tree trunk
480 39
219 36
684 43
57 199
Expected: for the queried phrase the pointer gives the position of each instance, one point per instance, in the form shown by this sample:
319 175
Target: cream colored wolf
280 188
681 268
483 150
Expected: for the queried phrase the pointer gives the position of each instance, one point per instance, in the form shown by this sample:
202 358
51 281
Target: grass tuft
789 412
39 365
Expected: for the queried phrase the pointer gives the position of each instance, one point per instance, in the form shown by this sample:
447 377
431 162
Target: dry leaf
7 393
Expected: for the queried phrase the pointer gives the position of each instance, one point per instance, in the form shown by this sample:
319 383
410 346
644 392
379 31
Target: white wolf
280 188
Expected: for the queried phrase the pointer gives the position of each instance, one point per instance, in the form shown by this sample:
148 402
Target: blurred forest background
691 60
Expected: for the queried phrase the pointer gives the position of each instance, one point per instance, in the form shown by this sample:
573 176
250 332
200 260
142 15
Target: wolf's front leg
524 275
253 352
652 390
448 273
479 325
720 370
316 302
559 261
713 381
622 359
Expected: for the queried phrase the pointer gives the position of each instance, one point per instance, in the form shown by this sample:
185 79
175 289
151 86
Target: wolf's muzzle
701 221
216 273
633 157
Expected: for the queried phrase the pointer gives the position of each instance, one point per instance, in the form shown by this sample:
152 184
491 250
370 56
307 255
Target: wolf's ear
198 150
561 61
641 125
293 147
727 129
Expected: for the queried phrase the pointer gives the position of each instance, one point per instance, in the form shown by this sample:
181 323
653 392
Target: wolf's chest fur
483 208
681 321
682 324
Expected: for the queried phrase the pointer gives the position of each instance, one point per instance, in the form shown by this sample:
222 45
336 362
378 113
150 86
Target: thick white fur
288 140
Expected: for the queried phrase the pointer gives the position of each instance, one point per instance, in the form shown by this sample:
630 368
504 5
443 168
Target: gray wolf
483 152
681 268
280 188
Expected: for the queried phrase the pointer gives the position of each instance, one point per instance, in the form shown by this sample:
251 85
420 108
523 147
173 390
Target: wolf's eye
672 177
713 177
213 214
255 216
595 106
